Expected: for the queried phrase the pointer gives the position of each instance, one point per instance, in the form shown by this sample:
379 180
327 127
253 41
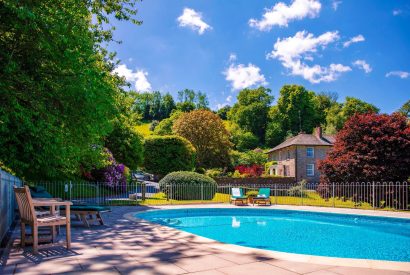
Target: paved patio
126 247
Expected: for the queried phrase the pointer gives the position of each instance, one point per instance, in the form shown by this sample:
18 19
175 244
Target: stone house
297 156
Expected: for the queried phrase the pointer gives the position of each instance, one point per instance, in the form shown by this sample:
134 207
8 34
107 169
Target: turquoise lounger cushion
263 193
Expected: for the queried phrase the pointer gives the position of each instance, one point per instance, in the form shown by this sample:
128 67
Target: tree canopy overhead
58 95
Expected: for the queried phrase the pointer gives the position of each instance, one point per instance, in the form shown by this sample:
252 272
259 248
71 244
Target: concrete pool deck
128 247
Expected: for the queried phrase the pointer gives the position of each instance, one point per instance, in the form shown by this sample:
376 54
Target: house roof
305 139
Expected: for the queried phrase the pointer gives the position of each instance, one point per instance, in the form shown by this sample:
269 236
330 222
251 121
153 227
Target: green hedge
186 185
165 154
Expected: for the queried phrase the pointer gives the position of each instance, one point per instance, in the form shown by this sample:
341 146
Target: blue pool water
323 234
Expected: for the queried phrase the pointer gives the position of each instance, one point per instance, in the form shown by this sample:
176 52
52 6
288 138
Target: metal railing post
275 194
202 192
373 195
333 194
69 191
301 194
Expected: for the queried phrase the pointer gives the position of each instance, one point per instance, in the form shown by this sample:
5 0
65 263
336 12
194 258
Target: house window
310 152
288 155
310 170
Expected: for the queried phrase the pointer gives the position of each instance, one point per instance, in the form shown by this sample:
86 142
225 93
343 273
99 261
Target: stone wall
302 160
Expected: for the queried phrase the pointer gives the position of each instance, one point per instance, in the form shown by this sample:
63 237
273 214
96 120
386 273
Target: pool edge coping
303 258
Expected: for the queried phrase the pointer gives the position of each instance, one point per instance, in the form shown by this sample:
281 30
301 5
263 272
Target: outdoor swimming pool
313 233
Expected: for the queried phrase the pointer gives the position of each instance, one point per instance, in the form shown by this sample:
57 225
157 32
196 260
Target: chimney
318 132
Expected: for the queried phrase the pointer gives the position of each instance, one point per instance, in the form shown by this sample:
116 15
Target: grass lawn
143 129
312 199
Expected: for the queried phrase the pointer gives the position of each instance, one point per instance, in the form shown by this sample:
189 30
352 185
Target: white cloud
335 4
356 39
281 14
397 12
232 57
229 99
192 19
361 64
221 105
242 76
400 74
139 77
292 50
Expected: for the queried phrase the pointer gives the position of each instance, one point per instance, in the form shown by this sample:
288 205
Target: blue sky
355 48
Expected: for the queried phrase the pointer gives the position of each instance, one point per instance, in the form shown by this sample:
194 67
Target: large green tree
251 110
338 114
207 133
153 105
58 94
295 111
189 100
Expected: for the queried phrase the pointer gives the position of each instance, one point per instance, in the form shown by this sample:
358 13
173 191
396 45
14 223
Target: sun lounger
237 196
263 197
87 213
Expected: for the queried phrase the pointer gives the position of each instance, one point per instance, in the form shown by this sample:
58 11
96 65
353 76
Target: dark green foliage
165 126
165 154
248 158
153 105
251 110
58 96
338 114
185 185
125 144
295 111
223 112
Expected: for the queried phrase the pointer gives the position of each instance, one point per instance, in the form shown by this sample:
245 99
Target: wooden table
53 203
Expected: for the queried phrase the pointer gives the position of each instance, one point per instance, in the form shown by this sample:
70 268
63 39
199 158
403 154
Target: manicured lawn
143 129
312 198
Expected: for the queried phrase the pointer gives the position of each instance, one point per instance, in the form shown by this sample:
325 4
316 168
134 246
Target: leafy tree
165 126
153 105
58 95
241 139
405 109
207 133
370 147
190 100
202 101
323 103
248 158
297 108
338 114
168 105
223 112
251 110
165 154
356 106
126 144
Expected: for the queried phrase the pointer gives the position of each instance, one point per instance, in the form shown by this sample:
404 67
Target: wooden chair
28 216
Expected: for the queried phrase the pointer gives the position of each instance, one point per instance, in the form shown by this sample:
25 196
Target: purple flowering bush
113 175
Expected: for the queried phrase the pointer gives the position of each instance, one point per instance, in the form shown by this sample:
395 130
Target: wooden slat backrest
25 203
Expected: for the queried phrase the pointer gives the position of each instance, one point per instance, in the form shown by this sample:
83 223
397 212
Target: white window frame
310 168
313 152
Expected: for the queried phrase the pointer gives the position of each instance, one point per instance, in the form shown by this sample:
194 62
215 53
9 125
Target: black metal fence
7 201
